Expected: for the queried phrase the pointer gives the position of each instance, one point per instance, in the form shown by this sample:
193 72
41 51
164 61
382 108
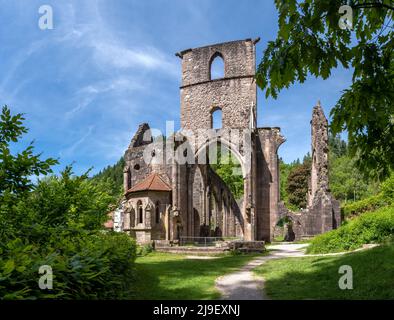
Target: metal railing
204 241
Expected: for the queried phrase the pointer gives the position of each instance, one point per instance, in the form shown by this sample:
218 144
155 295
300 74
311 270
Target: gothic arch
214 57
214 122
230 146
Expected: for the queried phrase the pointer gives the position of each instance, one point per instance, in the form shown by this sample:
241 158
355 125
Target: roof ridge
152 175
149 183
161 179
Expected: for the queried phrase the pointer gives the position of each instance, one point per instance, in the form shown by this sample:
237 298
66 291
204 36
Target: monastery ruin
172 193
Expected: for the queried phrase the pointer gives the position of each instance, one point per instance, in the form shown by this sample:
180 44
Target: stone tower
234 94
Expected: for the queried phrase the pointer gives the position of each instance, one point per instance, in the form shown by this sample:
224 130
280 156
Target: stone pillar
126 178
175 183
190 213
319 170
148 215
167 224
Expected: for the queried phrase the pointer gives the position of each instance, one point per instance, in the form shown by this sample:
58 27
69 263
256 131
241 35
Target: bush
143 250
383 198
57 221
370 227
387 188
97 266
367 204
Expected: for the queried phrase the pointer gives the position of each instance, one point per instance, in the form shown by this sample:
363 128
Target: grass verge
172 276
317 277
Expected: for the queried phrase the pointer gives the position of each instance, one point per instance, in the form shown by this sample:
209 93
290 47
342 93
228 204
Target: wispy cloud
107 48
72 148
89 93
121 57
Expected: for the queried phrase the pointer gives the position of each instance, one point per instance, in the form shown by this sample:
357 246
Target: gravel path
244 284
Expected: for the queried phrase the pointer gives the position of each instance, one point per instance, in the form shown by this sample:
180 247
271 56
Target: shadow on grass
171 276
317 277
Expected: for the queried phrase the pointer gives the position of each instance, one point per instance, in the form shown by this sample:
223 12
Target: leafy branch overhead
310 42
16 170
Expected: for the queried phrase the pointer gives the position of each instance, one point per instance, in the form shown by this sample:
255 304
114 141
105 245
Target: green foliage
387 188
368 204
56 222
284 171
16 170
310 42
111 179
370 227
346 180
143 250
337 146
229 169
84 267
282 221
383 198
297 185
61 202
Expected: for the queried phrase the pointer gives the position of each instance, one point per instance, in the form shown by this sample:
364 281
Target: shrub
367 204
387 188
370 227
383 198
98 266
143 250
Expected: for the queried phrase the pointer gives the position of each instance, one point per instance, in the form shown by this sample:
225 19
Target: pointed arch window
157 212
128 178
140 212
216 66
216 118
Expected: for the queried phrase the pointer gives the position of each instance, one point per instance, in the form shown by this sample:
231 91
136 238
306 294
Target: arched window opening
128 178
157 212
216 67
216 118
140 212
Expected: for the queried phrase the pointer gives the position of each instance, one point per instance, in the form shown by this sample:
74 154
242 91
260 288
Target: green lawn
172 276
317 277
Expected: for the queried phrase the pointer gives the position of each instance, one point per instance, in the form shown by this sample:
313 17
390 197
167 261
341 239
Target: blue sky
109 65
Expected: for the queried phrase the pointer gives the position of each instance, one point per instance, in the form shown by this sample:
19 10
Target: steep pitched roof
154 182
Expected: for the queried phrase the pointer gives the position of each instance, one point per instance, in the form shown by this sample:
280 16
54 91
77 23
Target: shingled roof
154 182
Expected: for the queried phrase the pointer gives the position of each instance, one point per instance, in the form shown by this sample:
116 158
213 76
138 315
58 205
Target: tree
337 146
16 170
297 185
229 169
347 182
56 221
310 42
112 178
284 171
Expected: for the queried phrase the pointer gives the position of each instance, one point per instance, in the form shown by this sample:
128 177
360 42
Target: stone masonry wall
235 94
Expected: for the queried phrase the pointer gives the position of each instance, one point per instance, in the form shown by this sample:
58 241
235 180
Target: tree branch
368 5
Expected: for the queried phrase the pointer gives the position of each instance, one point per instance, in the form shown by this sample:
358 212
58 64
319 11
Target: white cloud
86 95
71 149
107 49
121 57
